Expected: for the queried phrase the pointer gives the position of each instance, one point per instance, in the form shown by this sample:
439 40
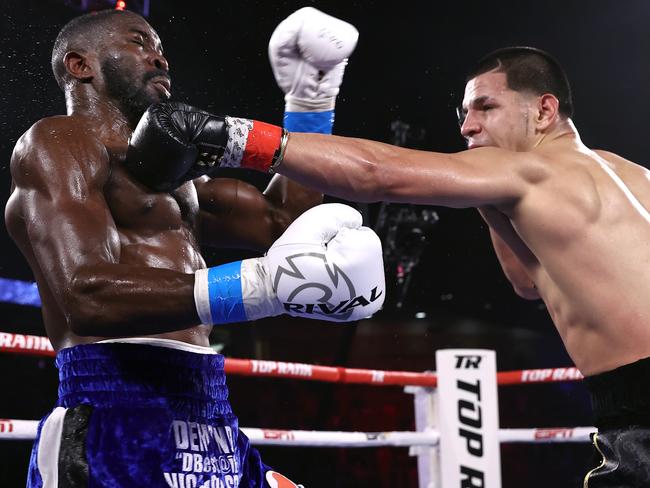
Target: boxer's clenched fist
325 266
175 142
308 53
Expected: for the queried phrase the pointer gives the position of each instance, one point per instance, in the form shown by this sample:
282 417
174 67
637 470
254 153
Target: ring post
468 418
426 418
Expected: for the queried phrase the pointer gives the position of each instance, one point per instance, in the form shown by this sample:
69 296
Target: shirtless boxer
570 226
127 301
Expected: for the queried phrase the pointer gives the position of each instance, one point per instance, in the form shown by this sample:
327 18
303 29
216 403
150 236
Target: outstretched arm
363 170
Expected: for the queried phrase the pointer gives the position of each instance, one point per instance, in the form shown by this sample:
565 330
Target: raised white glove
308 53
325 266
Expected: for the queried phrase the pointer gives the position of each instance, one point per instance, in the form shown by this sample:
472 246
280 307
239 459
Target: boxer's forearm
361 170
114 300
349 168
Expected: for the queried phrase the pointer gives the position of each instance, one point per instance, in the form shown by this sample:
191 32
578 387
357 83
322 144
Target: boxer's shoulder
622 165
57 145
60 129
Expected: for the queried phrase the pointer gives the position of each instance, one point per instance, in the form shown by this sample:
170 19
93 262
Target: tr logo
469 361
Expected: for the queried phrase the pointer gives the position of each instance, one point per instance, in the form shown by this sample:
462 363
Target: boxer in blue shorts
117 400
111 221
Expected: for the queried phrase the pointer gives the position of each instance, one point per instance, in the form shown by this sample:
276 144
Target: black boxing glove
174 143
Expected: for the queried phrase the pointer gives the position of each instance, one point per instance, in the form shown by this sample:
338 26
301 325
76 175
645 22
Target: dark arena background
445 286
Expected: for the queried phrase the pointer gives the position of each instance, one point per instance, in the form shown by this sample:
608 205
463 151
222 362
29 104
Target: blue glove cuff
225 293
319 122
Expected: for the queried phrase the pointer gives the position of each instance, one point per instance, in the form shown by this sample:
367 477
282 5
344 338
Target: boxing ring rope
12 429
424 443
40 346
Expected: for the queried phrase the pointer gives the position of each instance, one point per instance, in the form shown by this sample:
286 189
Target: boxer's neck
104 114
563 129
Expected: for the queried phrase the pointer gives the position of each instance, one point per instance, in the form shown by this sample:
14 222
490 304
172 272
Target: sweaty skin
112 258
571 224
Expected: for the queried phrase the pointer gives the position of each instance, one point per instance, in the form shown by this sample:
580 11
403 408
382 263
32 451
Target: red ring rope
40 346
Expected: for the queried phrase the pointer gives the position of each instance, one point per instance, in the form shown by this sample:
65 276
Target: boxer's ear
548 110
78 65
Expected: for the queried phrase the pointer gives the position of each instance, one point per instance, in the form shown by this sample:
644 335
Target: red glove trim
262 143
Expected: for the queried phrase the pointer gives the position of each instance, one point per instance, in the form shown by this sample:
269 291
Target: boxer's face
134 70
495 115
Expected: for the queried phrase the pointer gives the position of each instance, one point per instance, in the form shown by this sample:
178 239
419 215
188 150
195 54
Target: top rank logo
331 293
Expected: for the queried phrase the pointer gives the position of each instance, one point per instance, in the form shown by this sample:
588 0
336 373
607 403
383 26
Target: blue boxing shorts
144 412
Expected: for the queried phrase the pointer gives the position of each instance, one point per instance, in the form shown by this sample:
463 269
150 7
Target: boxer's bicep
67 220
476 178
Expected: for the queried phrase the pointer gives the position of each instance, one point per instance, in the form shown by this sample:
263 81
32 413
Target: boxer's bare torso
575 220
581 232
112 258
72 200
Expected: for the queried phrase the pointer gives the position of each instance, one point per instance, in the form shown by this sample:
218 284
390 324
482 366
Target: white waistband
155 341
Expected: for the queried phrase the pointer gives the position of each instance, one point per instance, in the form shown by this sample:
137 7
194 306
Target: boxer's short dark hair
82 32
529 69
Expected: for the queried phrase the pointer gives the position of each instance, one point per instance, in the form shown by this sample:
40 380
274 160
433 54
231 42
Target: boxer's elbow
87 310
82 320
517 275
383 174
527 292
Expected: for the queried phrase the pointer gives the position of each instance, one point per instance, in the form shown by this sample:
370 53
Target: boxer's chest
136 209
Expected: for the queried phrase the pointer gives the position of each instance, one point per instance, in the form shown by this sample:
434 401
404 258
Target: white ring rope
11 429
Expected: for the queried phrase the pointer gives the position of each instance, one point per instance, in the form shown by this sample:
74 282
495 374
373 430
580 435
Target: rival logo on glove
292 284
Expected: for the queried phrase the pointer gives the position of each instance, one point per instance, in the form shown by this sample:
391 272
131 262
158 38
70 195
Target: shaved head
528 69
82 34
112 56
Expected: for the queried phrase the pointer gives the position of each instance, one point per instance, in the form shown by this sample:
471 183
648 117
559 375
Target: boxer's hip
621 397
620 401
139 415
622 458
187 382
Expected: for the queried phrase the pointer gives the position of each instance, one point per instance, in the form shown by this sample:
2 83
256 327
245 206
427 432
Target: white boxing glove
325 266
308 53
